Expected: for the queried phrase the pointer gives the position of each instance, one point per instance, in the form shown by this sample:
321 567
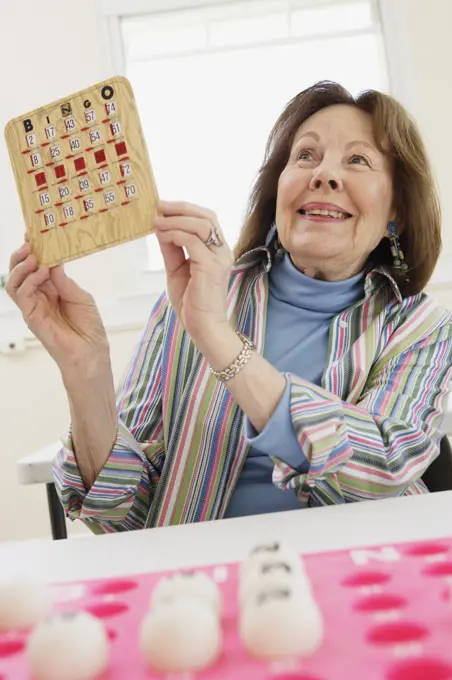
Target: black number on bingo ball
282 594
191 584
270 547
276 566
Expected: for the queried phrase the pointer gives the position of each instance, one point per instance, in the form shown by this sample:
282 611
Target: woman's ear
394 220
394 217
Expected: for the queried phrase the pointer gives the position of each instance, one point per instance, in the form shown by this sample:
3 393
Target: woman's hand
59 313
197 284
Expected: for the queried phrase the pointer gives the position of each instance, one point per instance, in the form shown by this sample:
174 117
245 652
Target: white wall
48 50
420 54
429 28
33 409
33 413
426 39
60 51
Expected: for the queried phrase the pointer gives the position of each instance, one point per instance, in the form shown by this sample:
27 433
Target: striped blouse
369 431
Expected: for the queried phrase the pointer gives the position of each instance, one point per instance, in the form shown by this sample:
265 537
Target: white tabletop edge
36 467
370 523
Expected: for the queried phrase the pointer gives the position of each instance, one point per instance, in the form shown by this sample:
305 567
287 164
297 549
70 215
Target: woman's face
335 194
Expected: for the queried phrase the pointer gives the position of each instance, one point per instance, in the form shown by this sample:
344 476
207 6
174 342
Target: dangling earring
279 248
396 250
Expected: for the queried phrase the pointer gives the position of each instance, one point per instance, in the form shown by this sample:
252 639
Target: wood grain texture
85 209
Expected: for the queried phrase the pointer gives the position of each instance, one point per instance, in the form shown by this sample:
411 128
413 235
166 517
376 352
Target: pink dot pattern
387 613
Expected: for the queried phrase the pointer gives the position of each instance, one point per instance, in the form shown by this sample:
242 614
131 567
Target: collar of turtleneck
291 286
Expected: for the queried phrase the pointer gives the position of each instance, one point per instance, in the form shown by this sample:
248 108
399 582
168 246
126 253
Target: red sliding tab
79 164
121 148
60 171
40 178
100 156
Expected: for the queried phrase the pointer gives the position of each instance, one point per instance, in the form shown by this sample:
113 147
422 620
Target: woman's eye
304 155
359 160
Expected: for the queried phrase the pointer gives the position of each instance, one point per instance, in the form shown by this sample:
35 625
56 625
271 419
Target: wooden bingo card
83 173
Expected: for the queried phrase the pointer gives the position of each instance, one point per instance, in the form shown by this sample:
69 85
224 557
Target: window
211 81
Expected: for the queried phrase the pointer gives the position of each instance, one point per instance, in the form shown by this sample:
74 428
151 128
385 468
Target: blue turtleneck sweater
299 314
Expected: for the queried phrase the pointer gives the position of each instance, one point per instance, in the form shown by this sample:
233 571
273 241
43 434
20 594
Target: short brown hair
416 200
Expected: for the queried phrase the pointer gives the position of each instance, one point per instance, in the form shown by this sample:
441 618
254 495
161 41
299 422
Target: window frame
111 13
131 311
392 19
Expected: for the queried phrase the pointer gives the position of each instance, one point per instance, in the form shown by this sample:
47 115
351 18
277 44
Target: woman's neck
327 271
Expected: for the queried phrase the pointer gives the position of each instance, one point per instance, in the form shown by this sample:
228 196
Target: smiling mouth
329 214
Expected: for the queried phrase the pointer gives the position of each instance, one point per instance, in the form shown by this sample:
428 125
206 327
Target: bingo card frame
83 173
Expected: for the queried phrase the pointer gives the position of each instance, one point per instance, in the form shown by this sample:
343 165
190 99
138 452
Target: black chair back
438 476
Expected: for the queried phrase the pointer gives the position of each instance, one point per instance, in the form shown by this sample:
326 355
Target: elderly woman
307 369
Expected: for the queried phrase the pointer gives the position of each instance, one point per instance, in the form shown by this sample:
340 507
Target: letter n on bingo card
83 173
